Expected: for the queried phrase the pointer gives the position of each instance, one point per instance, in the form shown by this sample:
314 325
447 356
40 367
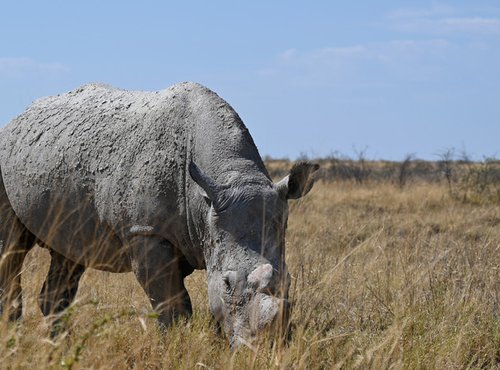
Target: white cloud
288 54
22 67
390 50
361 65
476 24
345 51
369 50
322 54
436 10
448 26
444 20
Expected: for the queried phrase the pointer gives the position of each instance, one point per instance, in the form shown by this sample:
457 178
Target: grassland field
383 276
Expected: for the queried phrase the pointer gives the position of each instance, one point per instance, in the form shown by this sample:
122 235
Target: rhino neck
233 172
220 144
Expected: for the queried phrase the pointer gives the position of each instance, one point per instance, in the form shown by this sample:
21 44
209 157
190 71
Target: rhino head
248 280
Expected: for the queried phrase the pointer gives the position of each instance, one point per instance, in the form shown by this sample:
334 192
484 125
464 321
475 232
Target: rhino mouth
268 318
237 341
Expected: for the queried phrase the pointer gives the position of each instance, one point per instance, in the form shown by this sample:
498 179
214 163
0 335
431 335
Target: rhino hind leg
15 242
160 269
61 285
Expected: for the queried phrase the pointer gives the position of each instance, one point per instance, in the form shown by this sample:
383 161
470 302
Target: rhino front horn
261 276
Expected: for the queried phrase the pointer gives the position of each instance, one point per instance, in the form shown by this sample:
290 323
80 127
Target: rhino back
84 167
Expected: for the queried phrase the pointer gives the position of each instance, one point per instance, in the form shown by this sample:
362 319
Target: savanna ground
384 275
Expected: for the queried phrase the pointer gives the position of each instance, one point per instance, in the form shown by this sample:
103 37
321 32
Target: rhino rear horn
209 186
300 180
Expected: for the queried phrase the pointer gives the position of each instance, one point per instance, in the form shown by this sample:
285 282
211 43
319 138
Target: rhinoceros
158 183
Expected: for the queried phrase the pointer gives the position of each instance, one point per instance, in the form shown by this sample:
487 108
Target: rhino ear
209 188
299 182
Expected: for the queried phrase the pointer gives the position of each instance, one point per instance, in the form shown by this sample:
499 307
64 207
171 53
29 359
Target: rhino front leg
59 289
61 285
160 270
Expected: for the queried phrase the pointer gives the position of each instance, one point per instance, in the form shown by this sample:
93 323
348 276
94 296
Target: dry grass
382 277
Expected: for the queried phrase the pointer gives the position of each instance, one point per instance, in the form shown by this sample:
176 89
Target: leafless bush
405 170
360 171
339 167
468 180
446 167
480 181
343 167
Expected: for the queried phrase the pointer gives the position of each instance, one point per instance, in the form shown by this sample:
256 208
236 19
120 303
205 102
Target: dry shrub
381 277
480 181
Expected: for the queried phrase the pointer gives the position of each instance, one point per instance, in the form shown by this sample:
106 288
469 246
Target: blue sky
388 77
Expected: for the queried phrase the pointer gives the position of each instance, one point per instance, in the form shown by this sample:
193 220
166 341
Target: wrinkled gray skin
158 183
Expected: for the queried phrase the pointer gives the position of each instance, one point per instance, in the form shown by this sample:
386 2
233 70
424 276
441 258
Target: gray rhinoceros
158 183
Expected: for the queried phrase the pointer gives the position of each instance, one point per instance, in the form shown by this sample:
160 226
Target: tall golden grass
382 277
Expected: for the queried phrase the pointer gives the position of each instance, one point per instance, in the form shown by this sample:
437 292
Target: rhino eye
227 285
229 278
